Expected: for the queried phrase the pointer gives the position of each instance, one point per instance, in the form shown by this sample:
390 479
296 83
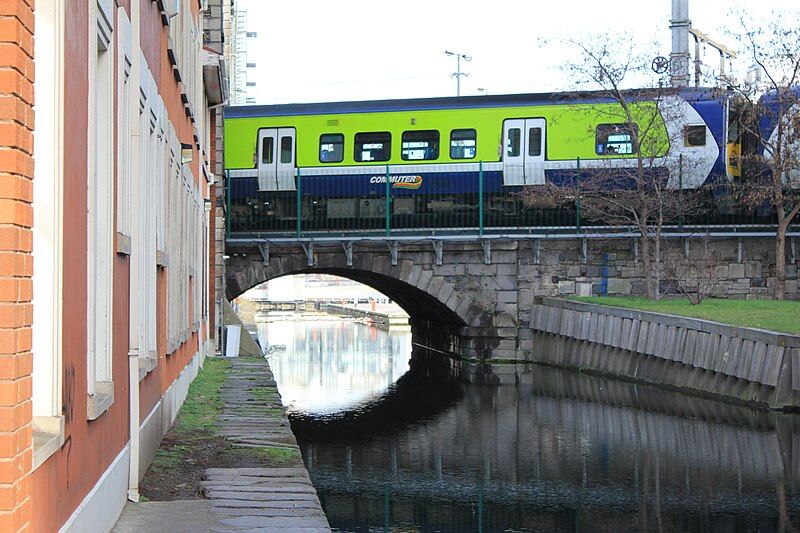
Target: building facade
106 245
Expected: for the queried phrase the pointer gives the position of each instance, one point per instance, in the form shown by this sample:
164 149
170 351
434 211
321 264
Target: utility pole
457 74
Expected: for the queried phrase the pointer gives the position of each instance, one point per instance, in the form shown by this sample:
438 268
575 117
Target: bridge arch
452 307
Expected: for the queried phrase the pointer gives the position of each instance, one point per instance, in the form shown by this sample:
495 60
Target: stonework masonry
16 262
477 303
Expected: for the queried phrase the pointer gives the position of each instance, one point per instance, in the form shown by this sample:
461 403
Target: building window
331 148
463 144
375 146
614 139
99 221
512 148
420 145
535 142
694 135
48 189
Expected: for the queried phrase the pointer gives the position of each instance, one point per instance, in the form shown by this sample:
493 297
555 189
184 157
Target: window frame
518 151
264 151
539 145
387 149
687 136
474 138
281 142
437 145
624 126
319 151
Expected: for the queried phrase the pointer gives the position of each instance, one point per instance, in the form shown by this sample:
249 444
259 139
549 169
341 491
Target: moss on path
193 444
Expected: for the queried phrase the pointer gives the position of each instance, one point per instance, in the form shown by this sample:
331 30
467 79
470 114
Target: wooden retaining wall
742 363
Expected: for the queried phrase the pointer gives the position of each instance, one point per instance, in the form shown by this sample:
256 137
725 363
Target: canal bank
692 355
230 462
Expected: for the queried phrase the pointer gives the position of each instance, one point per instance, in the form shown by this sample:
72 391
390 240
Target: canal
393 442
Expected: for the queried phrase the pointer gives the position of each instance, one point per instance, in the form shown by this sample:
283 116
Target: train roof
452 102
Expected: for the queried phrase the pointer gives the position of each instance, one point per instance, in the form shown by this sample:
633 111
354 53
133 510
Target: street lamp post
457 74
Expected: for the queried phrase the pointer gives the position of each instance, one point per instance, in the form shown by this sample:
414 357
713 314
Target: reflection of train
431 151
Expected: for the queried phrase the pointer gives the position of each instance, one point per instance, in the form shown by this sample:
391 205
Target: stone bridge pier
472 298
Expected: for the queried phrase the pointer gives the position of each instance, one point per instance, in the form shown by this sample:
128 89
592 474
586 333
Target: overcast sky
315 51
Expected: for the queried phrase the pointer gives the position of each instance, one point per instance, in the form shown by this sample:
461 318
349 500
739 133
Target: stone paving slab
259 499
180 516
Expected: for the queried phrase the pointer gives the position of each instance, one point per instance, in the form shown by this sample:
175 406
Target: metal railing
472 202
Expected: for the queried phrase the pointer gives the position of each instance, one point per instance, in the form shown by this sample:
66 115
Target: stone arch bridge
472 297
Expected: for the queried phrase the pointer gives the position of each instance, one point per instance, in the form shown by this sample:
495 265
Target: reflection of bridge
562 441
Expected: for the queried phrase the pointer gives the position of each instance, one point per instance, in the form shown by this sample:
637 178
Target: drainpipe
133 354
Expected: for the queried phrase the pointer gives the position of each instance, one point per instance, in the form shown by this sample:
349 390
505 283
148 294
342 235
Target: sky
318 51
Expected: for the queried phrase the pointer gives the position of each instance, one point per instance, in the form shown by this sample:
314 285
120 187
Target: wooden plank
644 333
743 361
757 362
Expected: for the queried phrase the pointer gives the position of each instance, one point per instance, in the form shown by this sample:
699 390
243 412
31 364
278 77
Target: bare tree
693 270
644 196
768 110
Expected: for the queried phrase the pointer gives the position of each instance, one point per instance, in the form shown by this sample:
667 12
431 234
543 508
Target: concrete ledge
101 508
48 436
99 402
768 360
709 326
123 244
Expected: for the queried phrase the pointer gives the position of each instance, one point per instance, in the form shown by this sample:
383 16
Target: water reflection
326 365
559 452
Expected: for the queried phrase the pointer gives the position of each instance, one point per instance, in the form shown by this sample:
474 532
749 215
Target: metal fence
330 206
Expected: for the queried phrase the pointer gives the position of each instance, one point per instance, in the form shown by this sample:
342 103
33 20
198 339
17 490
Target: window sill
48 437
123 244
147 364
162 259
99 402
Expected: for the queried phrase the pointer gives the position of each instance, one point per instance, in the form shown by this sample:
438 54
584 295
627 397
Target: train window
463 144
512 148
417 145
376 146
266 150
535 142
286 149
694 135
331 148
614 139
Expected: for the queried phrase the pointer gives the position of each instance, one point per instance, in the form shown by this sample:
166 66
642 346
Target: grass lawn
765 314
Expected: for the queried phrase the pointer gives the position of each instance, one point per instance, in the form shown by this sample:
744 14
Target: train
428 161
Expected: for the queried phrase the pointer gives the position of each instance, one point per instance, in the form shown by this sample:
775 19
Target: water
417 451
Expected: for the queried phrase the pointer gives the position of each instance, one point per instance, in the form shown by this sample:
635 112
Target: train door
523 151
276 159
513 152
534 151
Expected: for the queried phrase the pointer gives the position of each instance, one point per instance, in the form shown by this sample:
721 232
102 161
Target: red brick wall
16 262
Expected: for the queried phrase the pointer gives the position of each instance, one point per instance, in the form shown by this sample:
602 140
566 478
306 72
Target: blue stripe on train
433 183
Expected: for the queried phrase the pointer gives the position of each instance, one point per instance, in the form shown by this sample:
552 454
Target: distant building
243 85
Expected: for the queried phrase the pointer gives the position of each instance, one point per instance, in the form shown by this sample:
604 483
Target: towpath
242 498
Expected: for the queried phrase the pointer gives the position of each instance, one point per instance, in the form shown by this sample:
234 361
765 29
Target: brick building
106 245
